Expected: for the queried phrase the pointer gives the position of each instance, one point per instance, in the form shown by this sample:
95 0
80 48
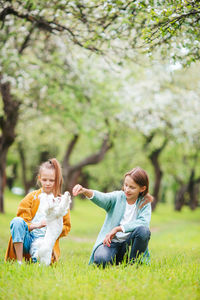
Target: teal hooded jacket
114 204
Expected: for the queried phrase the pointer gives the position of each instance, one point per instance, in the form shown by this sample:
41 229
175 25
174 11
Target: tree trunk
158 176
2 180
193 191
12 177
72 174
26 183
154 158
7 124
29 183
180 197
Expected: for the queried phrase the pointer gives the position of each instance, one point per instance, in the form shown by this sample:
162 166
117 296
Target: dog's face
55 207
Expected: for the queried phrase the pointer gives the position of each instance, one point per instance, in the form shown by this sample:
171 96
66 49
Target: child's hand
43 223
110 235
78 189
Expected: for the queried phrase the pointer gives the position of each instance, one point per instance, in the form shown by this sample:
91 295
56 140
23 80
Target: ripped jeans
117 252
21 234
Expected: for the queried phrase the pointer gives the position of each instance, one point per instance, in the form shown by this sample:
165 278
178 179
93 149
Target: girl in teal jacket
127 220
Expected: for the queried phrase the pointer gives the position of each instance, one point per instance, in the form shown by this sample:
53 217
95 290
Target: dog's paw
67 197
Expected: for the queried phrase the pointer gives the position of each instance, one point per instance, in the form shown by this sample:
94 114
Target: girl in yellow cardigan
30 222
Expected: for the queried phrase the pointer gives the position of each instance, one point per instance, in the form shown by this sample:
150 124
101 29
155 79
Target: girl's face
132 189
47 180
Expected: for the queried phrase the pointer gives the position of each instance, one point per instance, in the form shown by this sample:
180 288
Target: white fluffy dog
55 208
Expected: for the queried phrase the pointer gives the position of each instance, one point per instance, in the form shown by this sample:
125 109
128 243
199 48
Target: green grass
174 272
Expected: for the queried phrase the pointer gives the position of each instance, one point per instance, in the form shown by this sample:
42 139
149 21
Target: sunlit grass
173 274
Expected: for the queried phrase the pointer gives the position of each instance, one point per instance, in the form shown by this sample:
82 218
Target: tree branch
41 23
148 139
9 121
157 151
26 40
197 180
70 149
94 158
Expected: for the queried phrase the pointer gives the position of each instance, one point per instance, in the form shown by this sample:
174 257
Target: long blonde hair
53 164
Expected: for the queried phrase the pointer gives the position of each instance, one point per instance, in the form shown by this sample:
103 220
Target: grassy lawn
174 272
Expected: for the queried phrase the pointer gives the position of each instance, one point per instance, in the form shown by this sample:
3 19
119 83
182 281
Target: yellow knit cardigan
27 210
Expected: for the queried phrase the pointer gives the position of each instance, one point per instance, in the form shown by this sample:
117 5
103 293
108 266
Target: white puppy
54 209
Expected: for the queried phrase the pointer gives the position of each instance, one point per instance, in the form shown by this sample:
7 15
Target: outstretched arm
79 189
103 200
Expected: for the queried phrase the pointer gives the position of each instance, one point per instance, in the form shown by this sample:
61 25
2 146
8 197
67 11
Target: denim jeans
117 252
20 233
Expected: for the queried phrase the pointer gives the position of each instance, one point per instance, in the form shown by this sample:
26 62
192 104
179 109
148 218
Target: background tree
45 58
28 26
7 124
74 108
169 27
160 110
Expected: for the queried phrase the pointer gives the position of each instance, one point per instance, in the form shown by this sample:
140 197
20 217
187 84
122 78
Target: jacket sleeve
104 200
25 208
143 219
66 225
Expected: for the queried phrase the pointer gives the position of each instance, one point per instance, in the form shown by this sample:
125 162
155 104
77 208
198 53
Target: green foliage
119 28
173 274
65 90
171 26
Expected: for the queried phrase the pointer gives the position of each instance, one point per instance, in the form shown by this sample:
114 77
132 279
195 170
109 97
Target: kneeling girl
30 222
127 221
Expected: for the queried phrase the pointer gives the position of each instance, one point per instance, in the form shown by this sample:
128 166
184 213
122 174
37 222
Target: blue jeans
20 233
117 252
